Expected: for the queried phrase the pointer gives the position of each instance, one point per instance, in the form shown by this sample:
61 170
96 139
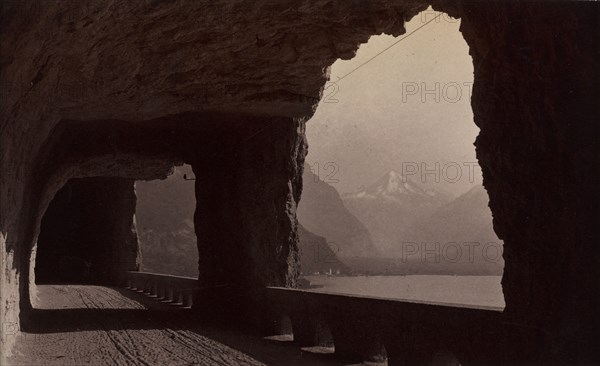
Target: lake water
456 290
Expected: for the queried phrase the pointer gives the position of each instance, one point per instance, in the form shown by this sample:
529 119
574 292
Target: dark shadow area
86 234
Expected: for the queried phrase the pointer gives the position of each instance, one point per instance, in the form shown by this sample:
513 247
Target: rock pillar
246 197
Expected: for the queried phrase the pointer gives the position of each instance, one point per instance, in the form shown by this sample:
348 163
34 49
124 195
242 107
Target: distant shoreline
448 289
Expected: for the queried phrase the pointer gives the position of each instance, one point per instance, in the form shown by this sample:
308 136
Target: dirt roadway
93 325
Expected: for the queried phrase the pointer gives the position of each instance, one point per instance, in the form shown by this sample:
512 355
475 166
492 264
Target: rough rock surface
534 99
246 196
128 89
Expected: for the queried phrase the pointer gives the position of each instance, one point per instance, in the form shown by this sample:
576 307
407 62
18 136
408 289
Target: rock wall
534 99
130 88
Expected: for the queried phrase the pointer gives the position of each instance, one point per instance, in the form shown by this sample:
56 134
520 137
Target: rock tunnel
124 91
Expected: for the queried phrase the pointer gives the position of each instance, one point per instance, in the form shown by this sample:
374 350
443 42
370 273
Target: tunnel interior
247 173
87 234
534 99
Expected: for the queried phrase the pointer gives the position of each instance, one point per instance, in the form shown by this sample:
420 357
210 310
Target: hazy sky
384 117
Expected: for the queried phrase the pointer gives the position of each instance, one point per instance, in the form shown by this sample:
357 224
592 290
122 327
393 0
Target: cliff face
463 227
316 255
322 212
128 89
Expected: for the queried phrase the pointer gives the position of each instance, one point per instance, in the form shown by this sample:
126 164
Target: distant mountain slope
391 207
466 222
316 255
322 212
456 239
165 224
468 217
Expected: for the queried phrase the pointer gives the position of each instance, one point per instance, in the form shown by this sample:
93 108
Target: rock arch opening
392 180
232 161
282 329
321 341
165 224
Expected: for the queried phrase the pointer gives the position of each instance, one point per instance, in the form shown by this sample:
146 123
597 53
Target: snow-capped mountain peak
392 184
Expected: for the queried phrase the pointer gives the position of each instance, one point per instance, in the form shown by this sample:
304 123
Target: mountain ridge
322 211
391 206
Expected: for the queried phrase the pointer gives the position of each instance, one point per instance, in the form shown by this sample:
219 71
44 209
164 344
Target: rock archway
128 89
248 171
